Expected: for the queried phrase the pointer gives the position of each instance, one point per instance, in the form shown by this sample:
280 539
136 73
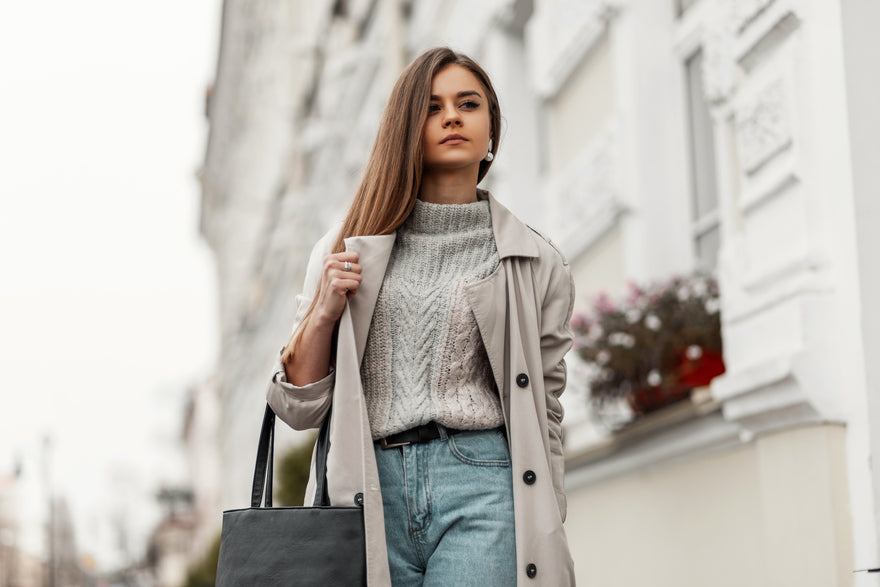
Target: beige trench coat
522 311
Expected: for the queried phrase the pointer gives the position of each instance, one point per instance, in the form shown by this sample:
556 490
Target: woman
435 322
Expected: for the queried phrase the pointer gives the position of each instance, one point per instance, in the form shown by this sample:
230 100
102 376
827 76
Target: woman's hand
340 281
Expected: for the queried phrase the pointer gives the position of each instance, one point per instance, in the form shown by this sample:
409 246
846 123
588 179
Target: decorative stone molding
711 30
763 126
744 12
764 38
686 439
586 197
719 67
765 396
734 35
560 34
767 185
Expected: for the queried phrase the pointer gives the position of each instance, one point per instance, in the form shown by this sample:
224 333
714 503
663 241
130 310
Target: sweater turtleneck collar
430 218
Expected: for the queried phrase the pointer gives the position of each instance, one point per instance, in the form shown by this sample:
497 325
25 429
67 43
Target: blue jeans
449 511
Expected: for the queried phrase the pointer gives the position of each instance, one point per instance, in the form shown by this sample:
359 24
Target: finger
344 256
354 268
339 274
345 286
338 260
333 274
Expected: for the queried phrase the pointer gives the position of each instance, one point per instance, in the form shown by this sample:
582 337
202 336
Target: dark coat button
522 379
529 477
359 499
531 570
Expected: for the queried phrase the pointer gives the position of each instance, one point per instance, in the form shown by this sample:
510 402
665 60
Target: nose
451 118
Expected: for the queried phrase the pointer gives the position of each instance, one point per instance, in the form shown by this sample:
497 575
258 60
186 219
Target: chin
451 164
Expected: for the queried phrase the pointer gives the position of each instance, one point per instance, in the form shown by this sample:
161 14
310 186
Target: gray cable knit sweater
425 359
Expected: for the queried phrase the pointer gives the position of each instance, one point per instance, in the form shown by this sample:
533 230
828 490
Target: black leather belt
423 433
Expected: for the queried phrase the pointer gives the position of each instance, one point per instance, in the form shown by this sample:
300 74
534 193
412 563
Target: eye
432 108
470 105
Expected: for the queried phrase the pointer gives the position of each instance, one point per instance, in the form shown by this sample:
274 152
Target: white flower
595 332
653 322
654 378
713 305
603 357
633 315
700 287
683 294
622 339
693 352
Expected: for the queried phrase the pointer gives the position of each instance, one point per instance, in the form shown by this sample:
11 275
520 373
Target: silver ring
347 266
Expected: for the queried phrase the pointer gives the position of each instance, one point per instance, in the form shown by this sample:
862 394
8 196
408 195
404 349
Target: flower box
652 347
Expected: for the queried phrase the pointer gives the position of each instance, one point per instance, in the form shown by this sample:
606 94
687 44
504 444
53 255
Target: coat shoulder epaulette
547 240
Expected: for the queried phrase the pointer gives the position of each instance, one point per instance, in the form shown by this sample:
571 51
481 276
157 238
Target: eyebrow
461 94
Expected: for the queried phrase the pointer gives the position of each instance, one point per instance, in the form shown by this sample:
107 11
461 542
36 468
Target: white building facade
648 138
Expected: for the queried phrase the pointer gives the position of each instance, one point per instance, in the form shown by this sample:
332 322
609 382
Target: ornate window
704 190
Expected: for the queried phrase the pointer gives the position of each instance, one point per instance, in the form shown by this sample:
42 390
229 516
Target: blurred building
201 439
170 546
17 567
60 565
66 566
648 138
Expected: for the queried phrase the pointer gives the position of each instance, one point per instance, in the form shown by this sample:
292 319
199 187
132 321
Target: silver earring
489 156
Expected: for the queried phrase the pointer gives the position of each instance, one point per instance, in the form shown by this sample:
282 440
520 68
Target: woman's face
457 130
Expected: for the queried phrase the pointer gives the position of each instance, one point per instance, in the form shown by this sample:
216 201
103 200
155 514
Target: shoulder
515 238
522 243
548 250
553 275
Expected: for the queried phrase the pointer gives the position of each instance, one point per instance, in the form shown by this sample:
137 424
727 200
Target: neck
449 187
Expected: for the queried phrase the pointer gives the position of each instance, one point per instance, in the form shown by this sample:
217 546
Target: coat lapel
373 253
488 297
491 316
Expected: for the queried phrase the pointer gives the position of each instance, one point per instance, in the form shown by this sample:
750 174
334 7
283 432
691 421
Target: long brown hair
393 175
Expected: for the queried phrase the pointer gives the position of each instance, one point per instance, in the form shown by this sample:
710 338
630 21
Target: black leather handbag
315 546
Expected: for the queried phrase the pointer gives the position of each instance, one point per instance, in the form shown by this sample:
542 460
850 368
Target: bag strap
264 470
266 442
322 449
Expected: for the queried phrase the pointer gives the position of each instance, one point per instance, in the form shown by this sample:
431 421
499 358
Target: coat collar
512 239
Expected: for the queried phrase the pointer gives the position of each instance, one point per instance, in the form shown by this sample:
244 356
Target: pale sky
107 298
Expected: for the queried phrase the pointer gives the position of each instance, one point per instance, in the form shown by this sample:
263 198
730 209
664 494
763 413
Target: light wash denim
449 511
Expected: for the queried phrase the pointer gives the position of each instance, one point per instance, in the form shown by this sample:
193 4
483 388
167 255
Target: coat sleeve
303 407
556 340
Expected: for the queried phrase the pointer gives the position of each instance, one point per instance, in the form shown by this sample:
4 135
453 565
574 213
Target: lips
452 137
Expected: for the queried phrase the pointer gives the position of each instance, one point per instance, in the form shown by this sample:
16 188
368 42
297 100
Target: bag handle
264 470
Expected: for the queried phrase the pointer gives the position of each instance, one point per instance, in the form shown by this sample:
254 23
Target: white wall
771 513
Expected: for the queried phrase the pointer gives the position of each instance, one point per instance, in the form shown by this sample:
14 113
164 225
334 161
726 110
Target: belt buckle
386 445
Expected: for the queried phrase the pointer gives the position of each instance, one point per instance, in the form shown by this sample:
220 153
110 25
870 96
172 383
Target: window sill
678 431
